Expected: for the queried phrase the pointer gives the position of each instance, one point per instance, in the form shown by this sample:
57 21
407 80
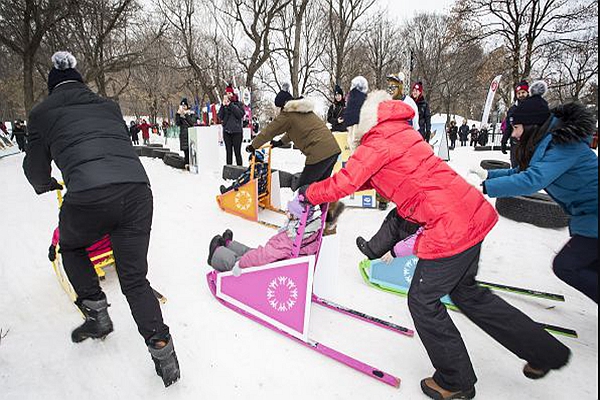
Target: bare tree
384 48
24 25
527 27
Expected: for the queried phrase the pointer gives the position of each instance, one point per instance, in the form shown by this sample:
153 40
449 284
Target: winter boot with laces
165 360
97 321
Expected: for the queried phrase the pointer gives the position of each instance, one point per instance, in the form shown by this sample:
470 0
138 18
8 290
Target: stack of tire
538 209
158 151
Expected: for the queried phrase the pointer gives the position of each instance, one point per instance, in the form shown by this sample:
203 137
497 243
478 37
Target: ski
351 362
522 291
363 317
162 299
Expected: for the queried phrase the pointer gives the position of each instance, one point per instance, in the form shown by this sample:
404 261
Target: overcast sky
404 9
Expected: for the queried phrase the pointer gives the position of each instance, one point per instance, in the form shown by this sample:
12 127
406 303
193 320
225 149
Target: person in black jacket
19 132
483 136
335 114
133 133
108 194
474 132
452 134
521 93
463 133
231 114
424 127
185 118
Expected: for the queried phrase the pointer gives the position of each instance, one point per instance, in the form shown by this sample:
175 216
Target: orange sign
242 202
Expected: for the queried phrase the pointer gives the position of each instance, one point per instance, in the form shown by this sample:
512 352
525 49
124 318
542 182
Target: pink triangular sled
289 314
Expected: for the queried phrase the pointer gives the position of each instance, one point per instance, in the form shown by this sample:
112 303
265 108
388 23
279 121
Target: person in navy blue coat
554 155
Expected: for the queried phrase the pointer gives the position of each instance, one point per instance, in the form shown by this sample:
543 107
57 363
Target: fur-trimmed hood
575 123
378 108
303 106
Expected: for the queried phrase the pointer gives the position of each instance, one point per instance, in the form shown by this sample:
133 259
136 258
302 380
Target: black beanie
338 90
184 102
533 110
283 96
63 70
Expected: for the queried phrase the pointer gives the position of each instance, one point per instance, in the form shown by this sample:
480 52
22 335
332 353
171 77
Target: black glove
54 185
250 149
504 149
302 194
276 143
52 253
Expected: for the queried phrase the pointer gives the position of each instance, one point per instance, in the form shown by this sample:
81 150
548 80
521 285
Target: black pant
394 229
186 155
510 327
463 142
577 265
233 143
317 172
128 220
453 143
513 153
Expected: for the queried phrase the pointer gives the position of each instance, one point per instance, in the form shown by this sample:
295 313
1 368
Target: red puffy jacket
394 159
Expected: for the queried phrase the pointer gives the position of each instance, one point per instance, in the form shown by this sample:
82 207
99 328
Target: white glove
479 171
236 270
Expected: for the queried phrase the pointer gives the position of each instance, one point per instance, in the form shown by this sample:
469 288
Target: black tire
231 172
155 145
138 150
175 161
483 148
158 152
537 209
494 164
147 151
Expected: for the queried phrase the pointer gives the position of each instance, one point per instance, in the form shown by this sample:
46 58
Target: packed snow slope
226 356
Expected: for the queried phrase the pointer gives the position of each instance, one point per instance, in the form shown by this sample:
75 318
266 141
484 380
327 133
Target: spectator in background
165 127
19 132
483 136
463 133
452 132
231 114
133 133
521 93
424 127
335 114
185 118
145 128
474 132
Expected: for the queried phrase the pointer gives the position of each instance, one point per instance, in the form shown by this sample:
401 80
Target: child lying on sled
261 170
225 254
403 248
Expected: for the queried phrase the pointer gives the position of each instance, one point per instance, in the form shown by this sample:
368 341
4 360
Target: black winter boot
165 361
97 321
215 243
227 235
363 246
223 189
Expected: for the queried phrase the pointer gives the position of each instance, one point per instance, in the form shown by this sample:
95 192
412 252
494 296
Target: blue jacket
566 168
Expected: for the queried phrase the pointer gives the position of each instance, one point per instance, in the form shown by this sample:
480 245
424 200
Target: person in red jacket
393 159
145 128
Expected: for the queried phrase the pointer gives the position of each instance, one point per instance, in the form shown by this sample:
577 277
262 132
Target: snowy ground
225 356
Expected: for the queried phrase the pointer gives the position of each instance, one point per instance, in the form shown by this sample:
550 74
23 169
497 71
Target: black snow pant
21 142
452 143
317 172
233 143
577 265
393 229
127 219
510 327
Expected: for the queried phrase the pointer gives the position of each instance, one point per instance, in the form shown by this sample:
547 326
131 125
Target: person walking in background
452 132
108 194
554 155
463 133
424 127
145 128
474 132
521 93
335 114
231 114
19 132
185 118
133 133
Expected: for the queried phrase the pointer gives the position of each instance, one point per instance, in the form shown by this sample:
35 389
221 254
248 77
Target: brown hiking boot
436 392
534 373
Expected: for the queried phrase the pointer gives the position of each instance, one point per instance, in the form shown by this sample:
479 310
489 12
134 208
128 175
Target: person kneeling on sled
260 172
394 159
225 254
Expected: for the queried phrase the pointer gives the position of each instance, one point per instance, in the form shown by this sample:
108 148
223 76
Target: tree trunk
28 81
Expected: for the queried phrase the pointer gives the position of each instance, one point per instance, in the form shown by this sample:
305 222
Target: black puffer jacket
424 127
232 116
184 122
335 112
86 136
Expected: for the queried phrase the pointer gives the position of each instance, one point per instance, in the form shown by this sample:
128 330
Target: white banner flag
490 99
